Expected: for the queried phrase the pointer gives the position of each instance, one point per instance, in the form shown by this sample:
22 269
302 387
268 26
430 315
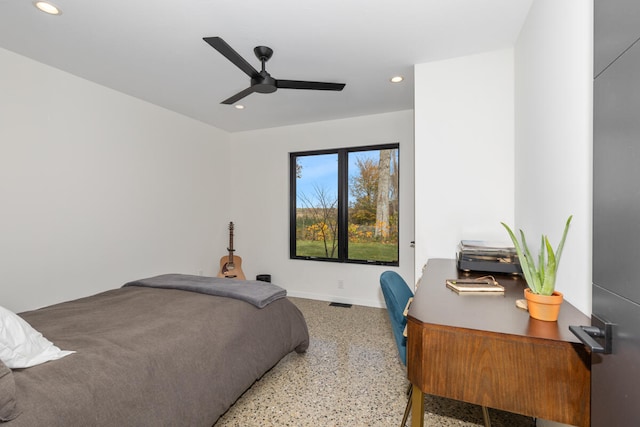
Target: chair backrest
396 295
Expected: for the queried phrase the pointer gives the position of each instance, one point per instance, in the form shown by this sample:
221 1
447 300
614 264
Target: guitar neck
230 248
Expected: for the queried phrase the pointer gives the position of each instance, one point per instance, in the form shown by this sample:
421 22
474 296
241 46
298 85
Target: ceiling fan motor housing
264 84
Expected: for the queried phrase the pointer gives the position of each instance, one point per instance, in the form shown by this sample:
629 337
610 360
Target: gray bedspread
257 293
152 357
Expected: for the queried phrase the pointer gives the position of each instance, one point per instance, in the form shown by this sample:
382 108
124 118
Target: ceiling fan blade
238 96
299 84
227 51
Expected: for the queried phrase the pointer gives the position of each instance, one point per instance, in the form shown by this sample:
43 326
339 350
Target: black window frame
343 203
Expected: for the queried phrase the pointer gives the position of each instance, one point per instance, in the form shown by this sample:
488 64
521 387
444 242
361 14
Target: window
344 204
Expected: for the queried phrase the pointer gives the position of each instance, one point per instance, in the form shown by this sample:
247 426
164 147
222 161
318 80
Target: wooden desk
482 349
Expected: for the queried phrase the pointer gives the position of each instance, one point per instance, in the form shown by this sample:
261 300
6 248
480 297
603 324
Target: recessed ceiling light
239 107
47 7
396 79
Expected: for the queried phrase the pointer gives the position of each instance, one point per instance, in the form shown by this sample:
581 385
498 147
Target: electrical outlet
340 284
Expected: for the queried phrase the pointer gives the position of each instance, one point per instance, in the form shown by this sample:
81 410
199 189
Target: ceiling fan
261 81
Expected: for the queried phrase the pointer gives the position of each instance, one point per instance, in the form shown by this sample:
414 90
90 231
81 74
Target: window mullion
343 205
292 204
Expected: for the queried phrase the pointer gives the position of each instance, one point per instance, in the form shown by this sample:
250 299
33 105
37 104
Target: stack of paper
480 285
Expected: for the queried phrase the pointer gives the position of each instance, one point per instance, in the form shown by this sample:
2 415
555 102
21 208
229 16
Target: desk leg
417 407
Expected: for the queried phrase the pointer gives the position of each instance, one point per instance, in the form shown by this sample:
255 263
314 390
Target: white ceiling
153 50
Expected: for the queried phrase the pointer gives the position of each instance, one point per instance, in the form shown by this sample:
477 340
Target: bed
153 356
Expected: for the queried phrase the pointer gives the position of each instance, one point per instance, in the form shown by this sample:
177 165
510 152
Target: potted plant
540 277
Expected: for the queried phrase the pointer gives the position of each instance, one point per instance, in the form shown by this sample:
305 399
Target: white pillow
21 346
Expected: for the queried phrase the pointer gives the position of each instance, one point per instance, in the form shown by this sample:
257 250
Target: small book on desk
475 286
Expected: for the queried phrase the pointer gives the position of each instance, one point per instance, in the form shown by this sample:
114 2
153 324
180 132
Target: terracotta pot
544 307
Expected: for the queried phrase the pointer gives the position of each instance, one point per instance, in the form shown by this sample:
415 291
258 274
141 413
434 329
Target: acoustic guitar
231 265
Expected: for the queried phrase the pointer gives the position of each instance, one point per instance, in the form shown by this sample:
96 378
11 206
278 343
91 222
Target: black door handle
584 334
597 337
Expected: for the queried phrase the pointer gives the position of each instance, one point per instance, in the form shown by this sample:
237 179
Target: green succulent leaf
524 262
564 237
541 263
536 283
550 276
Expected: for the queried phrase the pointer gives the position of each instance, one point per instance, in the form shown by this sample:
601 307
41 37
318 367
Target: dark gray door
615 377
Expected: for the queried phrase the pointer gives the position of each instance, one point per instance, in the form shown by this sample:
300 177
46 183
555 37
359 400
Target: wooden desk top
436 304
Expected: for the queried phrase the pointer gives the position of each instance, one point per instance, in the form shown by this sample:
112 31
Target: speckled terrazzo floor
351 375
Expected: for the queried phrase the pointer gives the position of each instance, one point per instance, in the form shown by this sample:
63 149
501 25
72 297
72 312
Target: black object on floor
340 304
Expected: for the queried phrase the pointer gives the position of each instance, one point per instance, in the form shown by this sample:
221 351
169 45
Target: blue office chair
396 294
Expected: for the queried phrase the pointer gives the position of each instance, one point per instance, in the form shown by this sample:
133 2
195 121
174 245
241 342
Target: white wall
553 152
259 205
98 188
464 130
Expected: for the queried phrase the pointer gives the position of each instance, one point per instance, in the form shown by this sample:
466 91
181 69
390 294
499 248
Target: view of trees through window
345 204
